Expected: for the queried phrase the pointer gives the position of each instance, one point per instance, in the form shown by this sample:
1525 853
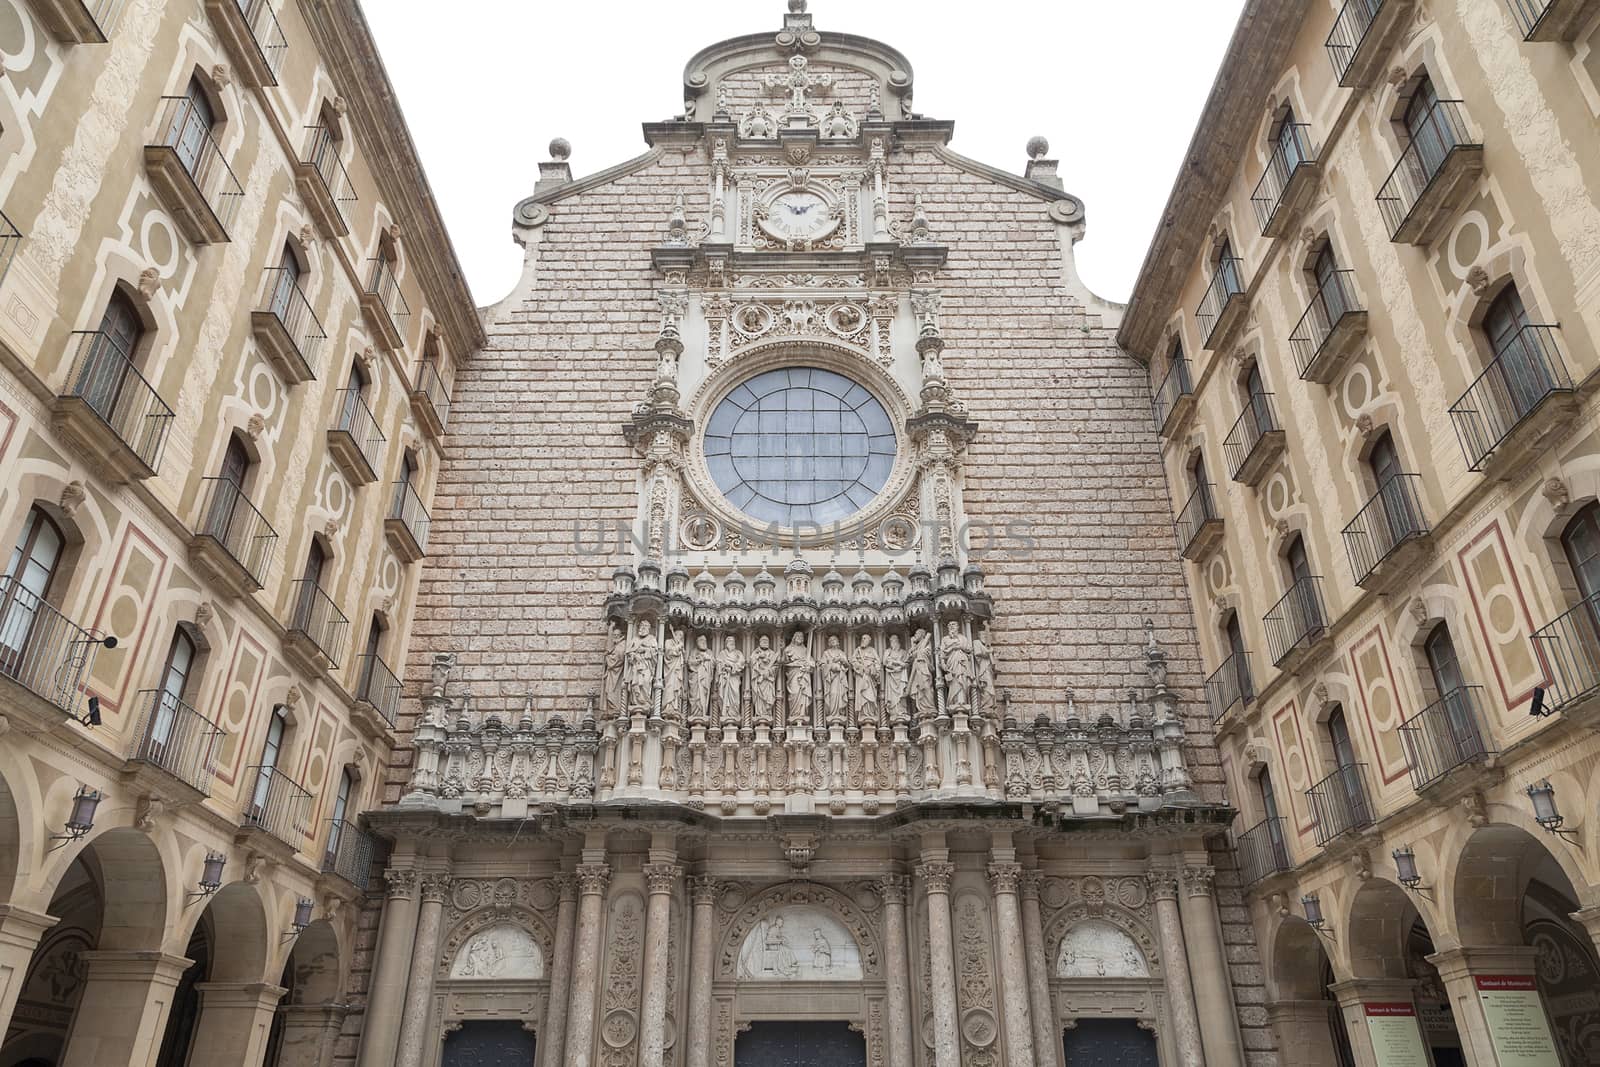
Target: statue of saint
955 656
798 662
921 683
763 681
701 665
984 690
835 682
643 651
672 665
895 661
616 662
867 665
730 680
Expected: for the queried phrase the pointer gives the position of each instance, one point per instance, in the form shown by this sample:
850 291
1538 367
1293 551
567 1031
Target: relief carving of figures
983 680
642 655
764 681
798 661
835 682
616 662
921 683
730 680
867 664
672 677
702 663
955 656
895 661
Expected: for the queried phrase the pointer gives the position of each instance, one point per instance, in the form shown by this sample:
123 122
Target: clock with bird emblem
799 217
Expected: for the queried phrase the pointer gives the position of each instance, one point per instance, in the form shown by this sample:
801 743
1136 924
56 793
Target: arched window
1430 133
1526 370
170 695
189 133
1286 139
271 752
1344 750
1228 266
1234 636
1269 814
286 296
27 587
1331 292
1581 543
1443 665
341 811
1298 561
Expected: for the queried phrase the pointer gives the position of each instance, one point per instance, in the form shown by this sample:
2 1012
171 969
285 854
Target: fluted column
1213 985
897 967
592 881
1004 880
424 961
387 993
936 875
552 1035
702 957
661 879
1175 966
1045 1052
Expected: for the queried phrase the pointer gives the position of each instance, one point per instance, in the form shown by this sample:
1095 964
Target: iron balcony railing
1174 387
108 383
1569 651
285 300
319 620
1445 735
10 241
267 33
1229 685
1388 520
377 685
1198 510
229 519
383 284
1297 621
349 852
1290 152
355 419
279 805
1334 299
41 649
408 510
178 739
431 385
1262 851
187 131
1527 369
1349 30
1441 132
1256 421
322 156
1226 283
1339 802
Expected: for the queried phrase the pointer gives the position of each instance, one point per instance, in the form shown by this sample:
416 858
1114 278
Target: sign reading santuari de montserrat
1514 1013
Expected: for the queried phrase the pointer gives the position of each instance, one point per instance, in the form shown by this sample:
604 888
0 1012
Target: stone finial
1478 280
1364 424
339 105
255 425
292 697
560 149
330 529
1038 147
204 614
797 7
1398 76
307 236
1419 610
221 75
1555 490
149 280
72 494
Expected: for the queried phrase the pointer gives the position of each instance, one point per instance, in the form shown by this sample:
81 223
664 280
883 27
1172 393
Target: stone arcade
857 758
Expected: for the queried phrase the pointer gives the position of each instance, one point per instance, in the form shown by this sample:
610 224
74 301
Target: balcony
1445 735
1173 399
407 524
355 440
1223 306
43 652
349 853
430 400
377 695
1569 651
1230 685
1552 20
286 329
1289 181
318 630
109 413
1518 405
324 184
1434 178
1339 803
1364 34
278 814
1262 851
190 177
10 241
1331 331
250 33
179 743
1255 442
384 307
1297 623
1198 525
233 542
79 21
1388 534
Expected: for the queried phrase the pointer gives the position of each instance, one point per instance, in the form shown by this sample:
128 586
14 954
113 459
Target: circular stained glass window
800 445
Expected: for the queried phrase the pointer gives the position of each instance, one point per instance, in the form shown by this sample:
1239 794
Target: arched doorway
309 1014
1391 949
222 1004
1304 1011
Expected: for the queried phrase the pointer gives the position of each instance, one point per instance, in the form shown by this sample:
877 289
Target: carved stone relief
500 952
1096 949
799 944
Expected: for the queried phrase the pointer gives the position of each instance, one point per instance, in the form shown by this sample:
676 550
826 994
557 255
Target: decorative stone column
20 933
661 879
309 1031
897 968
1004 880
1302 1028
1213 985
1185 1021
936 875
592 881
234 1020
1459 970
1354 996
424 962
387 993
552 1035
702 958
122 1012
1046 1054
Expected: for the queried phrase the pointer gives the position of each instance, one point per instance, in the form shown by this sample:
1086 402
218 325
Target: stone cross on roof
797 83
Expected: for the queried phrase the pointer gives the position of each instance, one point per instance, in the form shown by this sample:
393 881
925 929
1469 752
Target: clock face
799 215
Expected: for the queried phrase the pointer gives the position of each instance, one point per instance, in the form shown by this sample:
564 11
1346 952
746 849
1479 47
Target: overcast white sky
1115 86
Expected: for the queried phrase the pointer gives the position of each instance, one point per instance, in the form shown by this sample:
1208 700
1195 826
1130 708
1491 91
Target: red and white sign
1396 1038
1515 1015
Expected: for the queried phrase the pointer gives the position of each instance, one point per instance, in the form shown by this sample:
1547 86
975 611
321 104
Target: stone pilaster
387 992
702 957
123 1009
1213 985
661 880
1180 989
1354 996
897 968
1459 969
552 1037
20 933
433 889
1302 1028
936 875
1043 1011
309 1033
593 878
235 1018
1004 879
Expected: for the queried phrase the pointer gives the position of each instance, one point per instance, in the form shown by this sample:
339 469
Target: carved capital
400 884
593 879
435 887
936 876
894 889
662 877
1031 881
566 887
1163 885
704 889
1005 877
1199 881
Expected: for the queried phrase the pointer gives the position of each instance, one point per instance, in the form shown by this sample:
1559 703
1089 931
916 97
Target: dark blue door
807 1044
486 1044
1110 1043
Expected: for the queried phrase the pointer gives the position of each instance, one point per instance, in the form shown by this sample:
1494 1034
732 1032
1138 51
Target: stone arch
19 822
314 971
1095 947
138 888
788 894
1489 872
488 917
1378 925
245 940
1295 956
1089 908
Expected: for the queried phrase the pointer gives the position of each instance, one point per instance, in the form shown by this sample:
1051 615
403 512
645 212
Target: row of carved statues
814 678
